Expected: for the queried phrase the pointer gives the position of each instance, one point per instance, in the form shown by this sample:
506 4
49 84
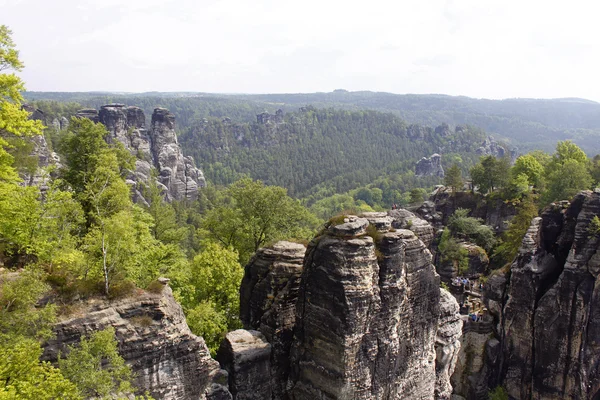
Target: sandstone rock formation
268 295
154 148
404 219
431 166
41 151
443 203
368 320
177 172
166 358
546 311
447 344
246 357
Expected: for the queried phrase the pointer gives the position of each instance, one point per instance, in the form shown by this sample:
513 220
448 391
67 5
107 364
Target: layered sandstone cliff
357 317
167 360
550 325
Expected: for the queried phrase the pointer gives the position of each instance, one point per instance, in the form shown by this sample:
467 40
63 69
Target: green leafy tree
529 166
490 173
209 293
511 239
23 376
255 214
19 314
452 251
96 368
473 229
207 321
567 180
14 122
453 178
417 195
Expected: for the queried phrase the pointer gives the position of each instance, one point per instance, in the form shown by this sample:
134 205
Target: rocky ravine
550 324
352 318
546 309
166 358
156 147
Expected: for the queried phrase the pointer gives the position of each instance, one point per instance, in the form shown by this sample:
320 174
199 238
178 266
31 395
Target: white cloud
481 48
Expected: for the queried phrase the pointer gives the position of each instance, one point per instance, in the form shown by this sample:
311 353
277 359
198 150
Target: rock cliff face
551 319
154 148
154 339
546 313
431 166
358 318
442 204
41 151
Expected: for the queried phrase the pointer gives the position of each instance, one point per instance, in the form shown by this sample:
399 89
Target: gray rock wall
369 322
548 307
156 147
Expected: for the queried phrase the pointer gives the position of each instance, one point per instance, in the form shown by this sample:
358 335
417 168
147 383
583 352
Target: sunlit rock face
166 359
368 321
154 148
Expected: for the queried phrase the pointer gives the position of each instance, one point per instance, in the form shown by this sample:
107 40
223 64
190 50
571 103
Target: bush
155 287
499 393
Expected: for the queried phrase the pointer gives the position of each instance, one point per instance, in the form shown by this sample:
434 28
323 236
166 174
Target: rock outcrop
268 295
177 172
166 358
156 147
431 166
443 203
246 357
42 153
368 320
447 344
547 309
404 219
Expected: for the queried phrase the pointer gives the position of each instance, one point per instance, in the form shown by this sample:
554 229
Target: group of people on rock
394 206
476 317
467 283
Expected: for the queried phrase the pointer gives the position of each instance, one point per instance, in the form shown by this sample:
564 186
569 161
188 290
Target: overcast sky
477 48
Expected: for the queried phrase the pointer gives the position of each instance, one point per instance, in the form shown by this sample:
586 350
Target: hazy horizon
490 50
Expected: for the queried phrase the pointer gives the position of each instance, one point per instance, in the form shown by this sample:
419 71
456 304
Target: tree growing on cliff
453 178
490 173
513 236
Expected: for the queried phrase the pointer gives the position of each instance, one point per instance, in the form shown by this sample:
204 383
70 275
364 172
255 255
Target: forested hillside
528 123
324 149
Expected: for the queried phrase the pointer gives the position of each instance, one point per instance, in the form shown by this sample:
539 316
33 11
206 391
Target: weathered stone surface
443 203
404 219
447 344
551 319
365 327
176 172
245 355
268 295
41 152
380 220
478 263
166 358
155 148
431 166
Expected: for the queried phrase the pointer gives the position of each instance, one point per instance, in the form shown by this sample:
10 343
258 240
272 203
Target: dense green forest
529 124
